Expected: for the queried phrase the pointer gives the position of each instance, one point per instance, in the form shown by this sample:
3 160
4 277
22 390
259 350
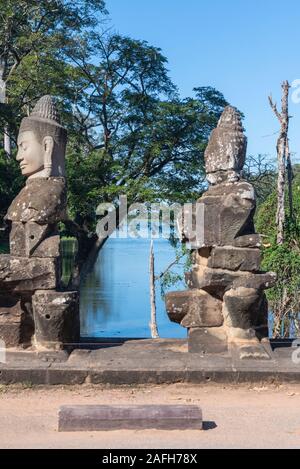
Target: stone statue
226 151
33 308
42 142
226 307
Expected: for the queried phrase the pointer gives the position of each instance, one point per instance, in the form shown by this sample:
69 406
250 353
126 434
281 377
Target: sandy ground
246 416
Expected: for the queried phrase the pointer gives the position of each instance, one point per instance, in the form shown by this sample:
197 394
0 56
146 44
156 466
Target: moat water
115 295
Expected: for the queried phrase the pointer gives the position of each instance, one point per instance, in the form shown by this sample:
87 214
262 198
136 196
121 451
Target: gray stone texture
32 239
22 274
56 318
226 151
134 417
30 276
16 324
194 308
43 200
220 278
225 307
233 258
207 340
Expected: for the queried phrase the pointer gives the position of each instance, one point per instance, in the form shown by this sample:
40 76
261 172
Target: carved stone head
42 142
226 151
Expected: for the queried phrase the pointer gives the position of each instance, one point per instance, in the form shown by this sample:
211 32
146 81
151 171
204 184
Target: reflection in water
115 295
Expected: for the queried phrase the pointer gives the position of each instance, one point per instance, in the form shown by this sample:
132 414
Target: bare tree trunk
153 322
282 157
3 100
290 177
280 214
7 143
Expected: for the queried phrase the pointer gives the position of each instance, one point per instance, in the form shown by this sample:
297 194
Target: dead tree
283 158
153 322
7 144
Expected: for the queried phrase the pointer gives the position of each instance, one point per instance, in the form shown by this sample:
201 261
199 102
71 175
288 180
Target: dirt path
238 417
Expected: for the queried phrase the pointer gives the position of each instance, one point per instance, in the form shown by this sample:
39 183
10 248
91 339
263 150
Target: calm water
115 298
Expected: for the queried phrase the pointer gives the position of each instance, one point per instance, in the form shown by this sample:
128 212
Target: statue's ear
48 145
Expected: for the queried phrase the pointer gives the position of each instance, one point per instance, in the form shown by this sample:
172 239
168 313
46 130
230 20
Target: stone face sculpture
42 142
226 307
226 151
33 308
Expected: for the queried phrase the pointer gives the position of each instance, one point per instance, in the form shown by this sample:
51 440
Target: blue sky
244 48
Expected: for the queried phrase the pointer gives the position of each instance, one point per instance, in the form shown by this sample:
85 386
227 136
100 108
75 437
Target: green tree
284 260
11 182
129 131
33 38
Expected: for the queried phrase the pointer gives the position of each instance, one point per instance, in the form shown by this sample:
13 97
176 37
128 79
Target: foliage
129 131
33 35
11 182
284 260
174 274
260 171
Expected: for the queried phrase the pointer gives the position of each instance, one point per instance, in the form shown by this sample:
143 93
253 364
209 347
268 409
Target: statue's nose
19 156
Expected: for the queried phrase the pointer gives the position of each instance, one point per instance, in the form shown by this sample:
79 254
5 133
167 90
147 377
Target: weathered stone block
232 258
222 215
56 318
34 240
248 241
101 418
261 323
220 278
10 322
245 312
50 247
194 308
261 281
16 325
240 307
21 274
17 240
42 200
203 340
26 237
228 213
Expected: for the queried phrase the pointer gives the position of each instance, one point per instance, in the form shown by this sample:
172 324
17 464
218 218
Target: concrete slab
87 418
142 362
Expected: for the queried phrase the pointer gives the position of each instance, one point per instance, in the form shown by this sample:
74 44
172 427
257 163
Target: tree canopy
129 130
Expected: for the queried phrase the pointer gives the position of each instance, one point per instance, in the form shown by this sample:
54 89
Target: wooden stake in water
153 322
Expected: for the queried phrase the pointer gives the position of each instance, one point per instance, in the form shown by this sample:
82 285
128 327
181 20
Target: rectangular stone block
10 322
17 240
32 239
50 247
233 258
16 325
120 417
56 318
202 340
194 308
222 278
21 274
248 241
